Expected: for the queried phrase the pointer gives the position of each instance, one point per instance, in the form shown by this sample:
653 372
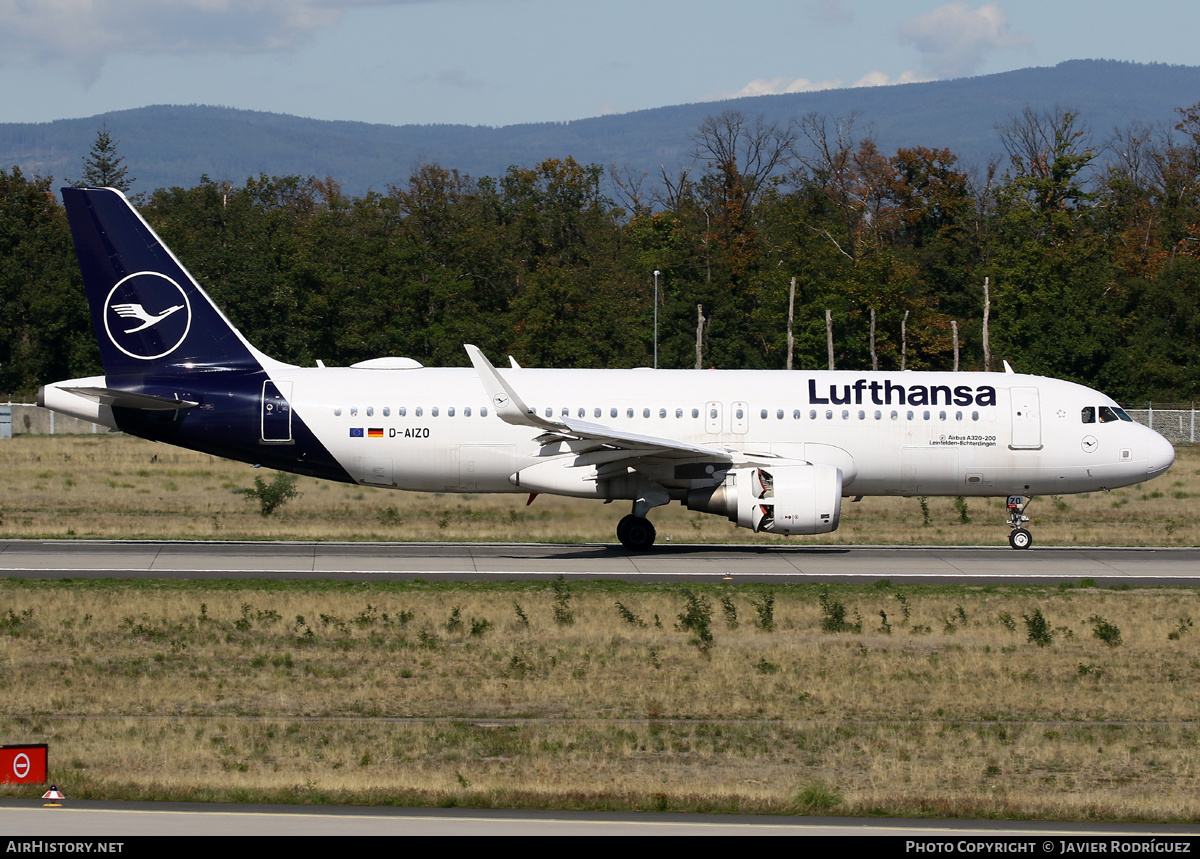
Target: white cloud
83 33
883 79
954 39
777 86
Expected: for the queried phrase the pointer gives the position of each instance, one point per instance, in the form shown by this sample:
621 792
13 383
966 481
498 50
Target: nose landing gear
1019 538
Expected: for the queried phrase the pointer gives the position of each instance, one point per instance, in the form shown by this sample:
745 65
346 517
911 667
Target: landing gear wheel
636 533
1020 539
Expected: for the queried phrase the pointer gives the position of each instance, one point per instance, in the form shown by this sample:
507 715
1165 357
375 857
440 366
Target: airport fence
1176 421
29 419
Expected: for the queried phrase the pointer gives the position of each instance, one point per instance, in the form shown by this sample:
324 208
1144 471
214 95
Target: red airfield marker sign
23 764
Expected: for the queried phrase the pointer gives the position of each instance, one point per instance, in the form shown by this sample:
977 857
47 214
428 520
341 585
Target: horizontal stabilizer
129 400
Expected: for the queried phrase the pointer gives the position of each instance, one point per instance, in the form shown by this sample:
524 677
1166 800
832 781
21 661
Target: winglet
1007 368
509 407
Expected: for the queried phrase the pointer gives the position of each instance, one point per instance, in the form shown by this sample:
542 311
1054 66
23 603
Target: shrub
1038 628
628 616
563 615
765 609
1105 631
271 496
730 612
834 616
696 617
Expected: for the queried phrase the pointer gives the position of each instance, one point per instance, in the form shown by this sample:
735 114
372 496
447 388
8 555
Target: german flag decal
375 432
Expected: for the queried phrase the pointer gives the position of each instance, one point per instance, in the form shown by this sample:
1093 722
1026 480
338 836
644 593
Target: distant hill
174 145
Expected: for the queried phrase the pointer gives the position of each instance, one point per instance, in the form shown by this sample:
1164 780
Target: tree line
1090 249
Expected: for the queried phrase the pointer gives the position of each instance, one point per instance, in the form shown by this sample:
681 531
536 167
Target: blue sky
498 62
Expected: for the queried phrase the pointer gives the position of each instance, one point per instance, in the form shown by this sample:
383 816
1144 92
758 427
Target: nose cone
1159 455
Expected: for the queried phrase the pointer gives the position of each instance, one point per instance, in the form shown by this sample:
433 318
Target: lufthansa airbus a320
774 451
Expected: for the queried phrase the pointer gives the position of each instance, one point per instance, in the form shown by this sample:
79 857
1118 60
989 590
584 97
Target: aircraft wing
512 410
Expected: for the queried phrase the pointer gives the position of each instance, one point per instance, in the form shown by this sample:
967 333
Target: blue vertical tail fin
149 313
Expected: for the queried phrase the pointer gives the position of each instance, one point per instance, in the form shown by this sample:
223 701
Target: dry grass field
1062 703
866 700
117 487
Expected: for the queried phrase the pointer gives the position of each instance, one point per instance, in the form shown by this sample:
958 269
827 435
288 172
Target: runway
667 563
115 820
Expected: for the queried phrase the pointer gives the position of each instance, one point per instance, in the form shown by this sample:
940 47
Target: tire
1020 539
635 533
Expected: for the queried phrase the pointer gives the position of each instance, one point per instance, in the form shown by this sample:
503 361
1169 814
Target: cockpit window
1107 415
1089 414
1121 414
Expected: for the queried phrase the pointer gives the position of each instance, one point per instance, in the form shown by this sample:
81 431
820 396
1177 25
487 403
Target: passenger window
829 414
678 413
597 412
370 411
549 412
450 412
941 416
629 413
566 413
974 416
812 414
1089 414
895 415
645 413
926 415
862 415
741 414
796 415
910 415
696 413
434 412
402 411
662 413
763 414
420 411
712 414
354 411
779 415
845 414
483 412
466 411
582 413
337 413
878 415
612 413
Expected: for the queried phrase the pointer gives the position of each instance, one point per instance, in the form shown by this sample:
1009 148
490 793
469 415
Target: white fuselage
435 432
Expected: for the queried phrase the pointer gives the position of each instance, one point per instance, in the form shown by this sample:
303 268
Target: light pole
656 273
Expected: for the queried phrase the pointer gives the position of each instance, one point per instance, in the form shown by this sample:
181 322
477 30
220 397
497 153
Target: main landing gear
636 533
1019 538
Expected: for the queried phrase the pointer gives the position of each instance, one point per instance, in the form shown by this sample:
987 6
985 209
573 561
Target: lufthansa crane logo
147 315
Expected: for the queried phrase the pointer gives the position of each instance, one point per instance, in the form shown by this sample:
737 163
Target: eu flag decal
356 432
375 432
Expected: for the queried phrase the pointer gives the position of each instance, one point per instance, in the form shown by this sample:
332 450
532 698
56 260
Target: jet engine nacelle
790 499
